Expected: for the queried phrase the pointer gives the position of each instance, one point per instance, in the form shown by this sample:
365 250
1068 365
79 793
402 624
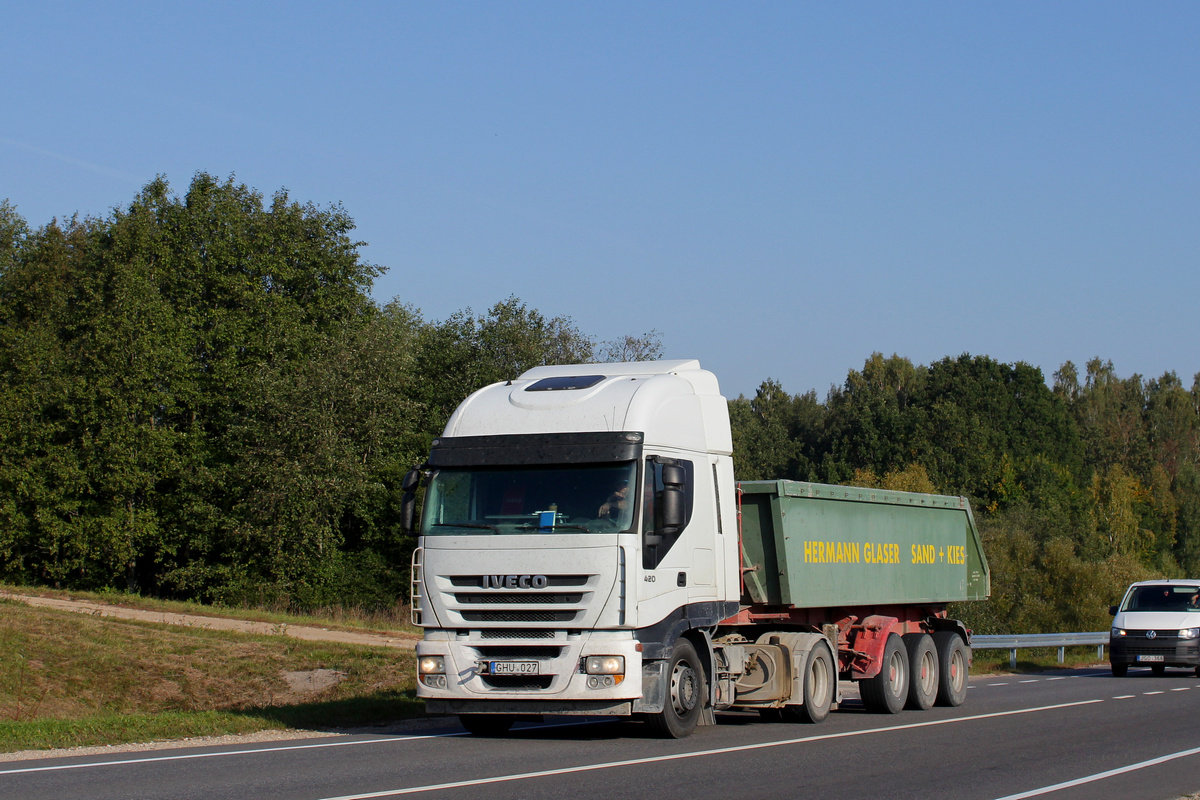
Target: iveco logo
514 581
1151 634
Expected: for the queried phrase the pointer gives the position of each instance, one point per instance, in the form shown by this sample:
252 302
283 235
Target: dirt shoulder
306 632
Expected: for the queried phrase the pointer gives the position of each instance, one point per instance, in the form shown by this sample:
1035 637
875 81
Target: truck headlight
431 665
604 665
1117 632
1189 633
604 671
432 670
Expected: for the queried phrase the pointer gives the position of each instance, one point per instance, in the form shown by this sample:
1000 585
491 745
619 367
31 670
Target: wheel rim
897 680
958 670
818 681
683 688
927 674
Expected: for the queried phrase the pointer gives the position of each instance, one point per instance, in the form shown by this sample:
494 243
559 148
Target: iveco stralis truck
584 549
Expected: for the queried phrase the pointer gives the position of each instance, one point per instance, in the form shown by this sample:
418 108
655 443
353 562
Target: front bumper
559 684
1136 650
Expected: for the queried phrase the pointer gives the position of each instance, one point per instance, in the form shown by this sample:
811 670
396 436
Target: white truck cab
1156 625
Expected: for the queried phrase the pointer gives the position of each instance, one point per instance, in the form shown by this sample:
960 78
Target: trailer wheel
923 666
1119 670
952 667
819 683
486 724
886 692
685 694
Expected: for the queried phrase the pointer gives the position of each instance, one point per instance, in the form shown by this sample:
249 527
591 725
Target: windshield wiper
576 526
480 525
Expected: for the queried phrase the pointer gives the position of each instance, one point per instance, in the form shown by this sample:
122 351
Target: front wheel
1119 670
685 694
886 692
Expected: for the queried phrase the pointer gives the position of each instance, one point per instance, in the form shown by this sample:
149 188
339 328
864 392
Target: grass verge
381 621
69 679
1035 659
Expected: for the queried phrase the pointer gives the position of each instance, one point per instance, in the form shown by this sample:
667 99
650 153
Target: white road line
1099 776
1032 680
997 684
1125 697
1149 693
188 756
1182 689
695 754
1059 678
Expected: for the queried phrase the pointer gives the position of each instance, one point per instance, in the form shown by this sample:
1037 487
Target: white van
1157 625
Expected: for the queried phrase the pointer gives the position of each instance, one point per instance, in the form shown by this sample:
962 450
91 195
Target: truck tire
486 724
1119 670
686 693
952 668
820 682
887 692
923 671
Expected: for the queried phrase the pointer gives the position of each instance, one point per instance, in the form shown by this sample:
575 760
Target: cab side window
658 535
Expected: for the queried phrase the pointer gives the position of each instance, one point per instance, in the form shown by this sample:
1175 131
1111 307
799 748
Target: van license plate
514 668
1150 658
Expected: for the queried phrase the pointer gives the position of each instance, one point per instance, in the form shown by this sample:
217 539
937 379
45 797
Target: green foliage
200 400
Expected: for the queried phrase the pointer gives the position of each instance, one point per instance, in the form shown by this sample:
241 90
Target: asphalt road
1070 735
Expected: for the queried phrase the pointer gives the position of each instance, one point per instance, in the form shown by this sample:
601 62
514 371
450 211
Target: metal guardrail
1059 640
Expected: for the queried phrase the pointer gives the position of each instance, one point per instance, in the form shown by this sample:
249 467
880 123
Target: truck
584 549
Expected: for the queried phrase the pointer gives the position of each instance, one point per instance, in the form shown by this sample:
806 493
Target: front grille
516 634
517 682
1160 650
518 616
517 599
488 652
556 581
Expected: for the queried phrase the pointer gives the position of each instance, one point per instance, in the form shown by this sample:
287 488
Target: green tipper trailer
811 545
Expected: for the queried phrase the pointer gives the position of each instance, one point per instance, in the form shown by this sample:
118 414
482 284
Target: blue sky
779 188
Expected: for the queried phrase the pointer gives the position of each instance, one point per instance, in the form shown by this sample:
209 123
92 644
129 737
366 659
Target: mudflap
654 688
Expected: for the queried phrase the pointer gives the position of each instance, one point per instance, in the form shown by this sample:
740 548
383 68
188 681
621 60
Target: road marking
1182 689
520 776
1059 678
1148 693
281 749
1032 680
187 756
1099 776
1125 697
997 684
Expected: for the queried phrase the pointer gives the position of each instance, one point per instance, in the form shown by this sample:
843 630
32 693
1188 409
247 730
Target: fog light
434 681
431 665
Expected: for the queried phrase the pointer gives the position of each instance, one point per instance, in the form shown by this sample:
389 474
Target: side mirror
673 512
1112 611
408 502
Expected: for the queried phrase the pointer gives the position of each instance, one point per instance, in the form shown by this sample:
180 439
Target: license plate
1151 658
514 668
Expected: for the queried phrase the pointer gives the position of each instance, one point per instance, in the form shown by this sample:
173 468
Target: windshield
1167 597
589 498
